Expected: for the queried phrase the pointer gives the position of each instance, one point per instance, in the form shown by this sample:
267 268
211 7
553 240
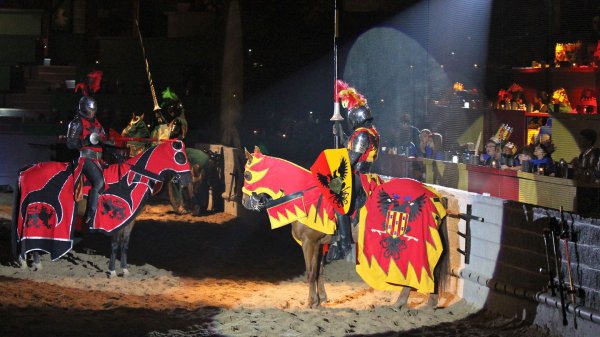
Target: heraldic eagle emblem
336 184
398 215
333 174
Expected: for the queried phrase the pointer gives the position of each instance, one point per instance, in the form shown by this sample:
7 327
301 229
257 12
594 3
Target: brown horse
287 182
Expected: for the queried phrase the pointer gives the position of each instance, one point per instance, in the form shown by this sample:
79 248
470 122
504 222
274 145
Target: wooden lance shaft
337 117
565 235
154 100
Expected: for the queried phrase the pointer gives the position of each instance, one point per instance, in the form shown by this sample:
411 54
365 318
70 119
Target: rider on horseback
86 135
170 118
362 145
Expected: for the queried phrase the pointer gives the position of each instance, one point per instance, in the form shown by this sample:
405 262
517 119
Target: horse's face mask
250 199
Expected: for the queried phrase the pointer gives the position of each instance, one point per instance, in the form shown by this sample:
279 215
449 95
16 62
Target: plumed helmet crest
168 94
349 97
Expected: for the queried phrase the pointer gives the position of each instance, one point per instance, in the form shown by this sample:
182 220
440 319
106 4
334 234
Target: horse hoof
125 272
112 274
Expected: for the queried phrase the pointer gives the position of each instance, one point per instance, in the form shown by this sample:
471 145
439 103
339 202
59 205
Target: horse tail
441 272
15 220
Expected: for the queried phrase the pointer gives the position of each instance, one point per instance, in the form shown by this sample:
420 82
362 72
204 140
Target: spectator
522 160
508 155
587 161
406 136
423 149
542 162
436 145
491 154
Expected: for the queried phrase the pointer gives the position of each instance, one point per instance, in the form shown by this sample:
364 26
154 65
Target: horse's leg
320 279
37 263
126 234
22 262
310 250
441 269
114 246
403 298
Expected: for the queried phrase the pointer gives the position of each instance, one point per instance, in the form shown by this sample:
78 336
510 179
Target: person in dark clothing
86 134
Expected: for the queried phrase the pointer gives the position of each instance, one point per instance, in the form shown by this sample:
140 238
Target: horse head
269 178
167 160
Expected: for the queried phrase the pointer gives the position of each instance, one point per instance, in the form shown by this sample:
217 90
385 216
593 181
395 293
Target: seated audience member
588 158
410 133
542 159
560 102
491 155
508 154
544 135
423 149
436 143
540 102
522 160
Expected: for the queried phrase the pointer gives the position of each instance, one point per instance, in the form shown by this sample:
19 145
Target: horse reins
258 203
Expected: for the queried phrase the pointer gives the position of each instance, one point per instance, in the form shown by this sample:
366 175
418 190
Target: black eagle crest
392 247
412 207
335 183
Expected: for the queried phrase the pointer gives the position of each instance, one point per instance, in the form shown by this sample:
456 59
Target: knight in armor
136 129
171 120
173 125
363 147
86 134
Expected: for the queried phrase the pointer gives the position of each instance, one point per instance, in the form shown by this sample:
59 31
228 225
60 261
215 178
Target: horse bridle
258 202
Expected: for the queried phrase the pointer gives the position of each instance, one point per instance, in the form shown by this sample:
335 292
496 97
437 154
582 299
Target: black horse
49 189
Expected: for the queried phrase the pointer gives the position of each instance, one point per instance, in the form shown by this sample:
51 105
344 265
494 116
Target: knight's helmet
171 106
87 107
359 113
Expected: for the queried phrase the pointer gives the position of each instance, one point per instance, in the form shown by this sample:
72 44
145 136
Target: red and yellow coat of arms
334 175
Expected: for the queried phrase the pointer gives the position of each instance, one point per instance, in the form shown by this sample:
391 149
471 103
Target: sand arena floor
213 275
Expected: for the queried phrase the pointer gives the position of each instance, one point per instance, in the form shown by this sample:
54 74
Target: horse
207 171
290 195
49 196
206 166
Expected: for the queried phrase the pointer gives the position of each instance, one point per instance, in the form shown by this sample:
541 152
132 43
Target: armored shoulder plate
74 133
360 143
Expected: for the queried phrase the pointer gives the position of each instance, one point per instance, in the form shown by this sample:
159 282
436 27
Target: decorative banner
334 175
287 211
399 244
47 207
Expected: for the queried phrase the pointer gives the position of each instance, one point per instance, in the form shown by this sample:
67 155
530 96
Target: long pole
559 274
337 117
547 233
156 106
565 235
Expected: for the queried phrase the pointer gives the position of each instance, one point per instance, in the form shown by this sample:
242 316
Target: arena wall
504 266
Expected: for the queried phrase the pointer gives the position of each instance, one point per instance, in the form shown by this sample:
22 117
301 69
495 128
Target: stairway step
66 70
38 90
55 78
17 99
30 106
36 82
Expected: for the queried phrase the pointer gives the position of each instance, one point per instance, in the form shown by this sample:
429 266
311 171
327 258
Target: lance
146 140
547 233
565 235
156 106
559 274
337 117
